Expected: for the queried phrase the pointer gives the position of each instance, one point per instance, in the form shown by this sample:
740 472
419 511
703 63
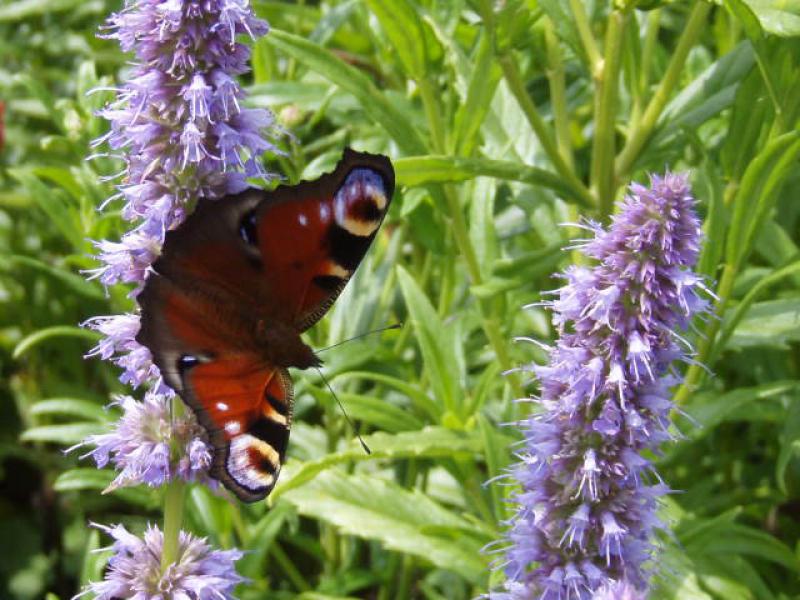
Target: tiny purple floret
134 569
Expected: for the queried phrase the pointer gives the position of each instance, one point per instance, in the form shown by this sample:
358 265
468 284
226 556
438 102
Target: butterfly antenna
344 412
361 335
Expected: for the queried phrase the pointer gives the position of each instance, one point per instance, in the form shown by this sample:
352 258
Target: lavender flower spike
179 122
150 446
586 511
134 570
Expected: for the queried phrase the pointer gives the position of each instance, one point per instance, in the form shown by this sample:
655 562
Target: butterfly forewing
235 285
313 236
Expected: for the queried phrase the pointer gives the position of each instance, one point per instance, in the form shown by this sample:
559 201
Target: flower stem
558 94
173 518
517 88
640 134
607 82
585 33
648 53
173 505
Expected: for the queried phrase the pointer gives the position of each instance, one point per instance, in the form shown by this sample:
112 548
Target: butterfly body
234 288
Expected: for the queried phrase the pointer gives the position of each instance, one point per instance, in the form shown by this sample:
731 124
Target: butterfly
235 286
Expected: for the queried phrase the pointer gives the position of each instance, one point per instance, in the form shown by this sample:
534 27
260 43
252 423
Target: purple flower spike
586 512
180 123
150 446
134 569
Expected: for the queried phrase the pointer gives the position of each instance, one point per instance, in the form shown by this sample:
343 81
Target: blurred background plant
504 120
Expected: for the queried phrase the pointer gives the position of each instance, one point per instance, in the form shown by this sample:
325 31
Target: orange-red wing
234 286
246 410
243 403
312 236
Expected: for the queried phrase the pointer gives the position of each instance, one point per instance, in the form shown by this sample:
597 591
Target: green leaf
53 203
560 14
758 192
747 18
710 409
57 331
402 520
83 479
433 339
94 560
483 84
789 445
733 319
431 442
418 398
25 9
496 450
419 170
769 323
210 512
70 433
86 479
72 407
733 539
379 413
71 281
778 17
406 33
706 96
261 536
375 104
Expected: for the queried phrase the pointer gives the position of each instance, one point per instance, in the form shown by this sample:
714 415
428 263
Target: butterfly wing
258 257
313 236
243 403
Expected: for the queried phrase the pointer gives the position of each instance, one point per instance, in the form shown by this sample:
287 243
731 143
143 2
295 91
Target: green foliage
503 120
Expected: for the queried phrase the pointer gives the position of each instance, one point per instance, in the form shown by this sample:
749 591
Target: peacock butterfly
235 286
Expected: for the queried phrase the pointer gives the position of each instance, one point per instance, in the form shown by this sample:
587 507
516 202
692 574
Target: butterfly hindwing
244 405
247 413
232 290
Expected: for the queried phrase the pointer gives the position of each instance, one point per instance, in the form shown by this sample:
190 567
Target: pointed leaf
380 510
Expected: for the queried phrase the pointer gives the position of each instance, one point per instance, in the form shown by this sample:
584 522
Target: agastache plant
179 125
184 134
585 514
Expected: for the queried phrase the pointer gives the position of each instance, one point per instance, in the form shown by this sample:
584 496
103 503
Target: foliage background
504 120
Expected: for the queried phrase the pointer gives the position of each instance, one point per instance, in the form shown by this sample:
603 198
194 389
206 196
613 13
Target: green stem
173 518
558 94
174 500
517 88
585 33
404 582
648 52
461 234
607 82
287 568
644 129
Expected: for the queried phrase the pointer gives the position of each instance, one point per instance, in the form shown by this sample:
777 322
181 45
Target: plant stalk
173 519
640 134
607 82
461 234
585 33
174 500
517 88
558 94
